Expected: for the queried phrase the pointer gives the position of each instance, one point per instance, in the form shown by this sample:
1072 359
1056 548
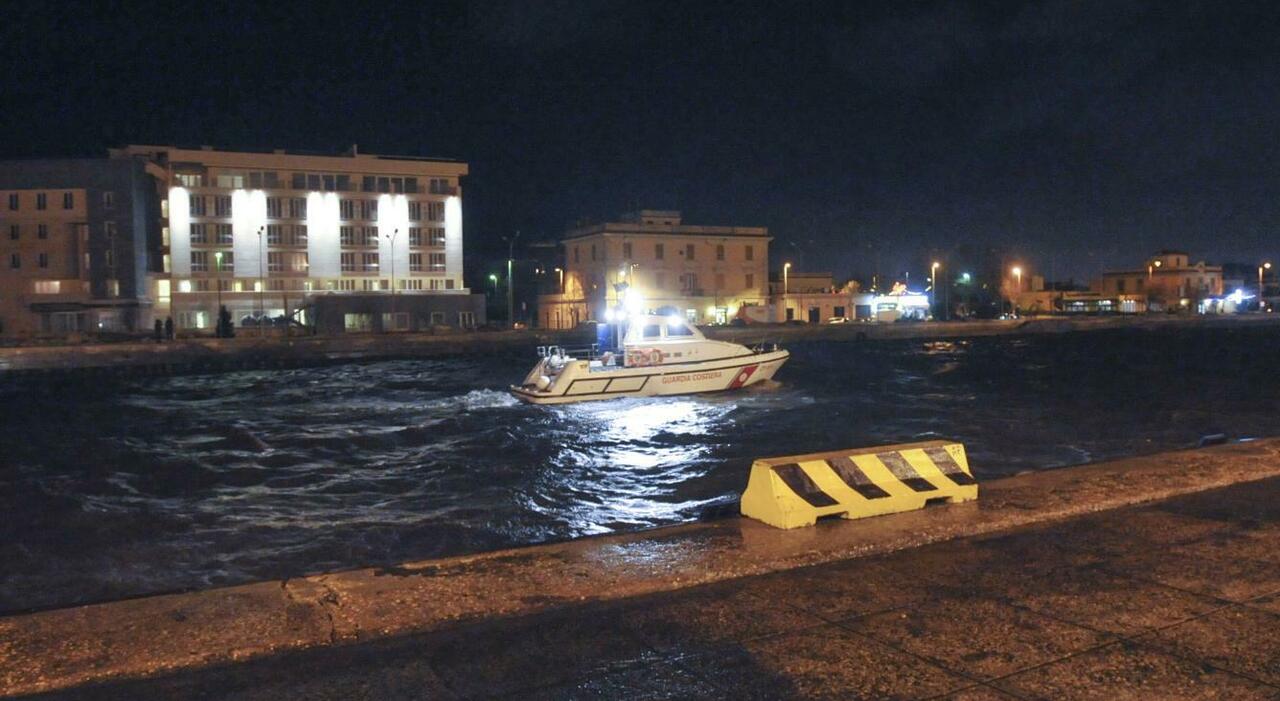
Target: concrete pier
1152 577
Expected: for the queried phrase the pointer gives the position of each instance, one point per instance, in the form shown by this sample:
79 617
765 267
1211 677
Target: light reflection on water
128 487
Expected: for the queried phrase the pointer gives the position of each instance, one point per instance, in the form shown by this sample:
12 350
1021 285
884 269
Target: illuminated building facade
77 240
704 273
1167 281
261 233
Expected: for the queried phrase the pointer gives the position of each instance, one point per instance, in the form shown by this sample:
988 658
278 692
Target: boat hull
660 380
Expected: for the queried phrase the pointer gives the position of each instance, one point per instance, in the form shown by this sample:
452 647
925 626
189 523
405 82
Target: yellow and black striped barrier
796 491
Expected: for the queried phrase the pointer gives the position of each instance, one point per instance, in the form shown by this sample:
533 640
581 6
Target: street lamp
391 239
933 282
494 279
1013 303
1265 266
262 306
217 260
511 299
560 271
786 267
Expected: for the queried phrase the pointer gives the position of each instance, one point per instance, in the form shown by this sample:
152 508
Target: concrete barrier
797 490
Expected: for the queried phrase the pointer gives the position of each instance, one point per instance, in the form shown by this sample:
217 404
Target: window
48 287
15 261
751 280
720 251
688 251
300 234
415 262
751 252
13 201
593 251
14 232
395 322
626 250
199 233
437 318
109 201
369 262
369 210
42 231
42 200
197 204
298 181
109 228
466 320
448 285
226 262
357 323
435 211
415 211
415 236
230 181
299 262
347 209
652 331
224 233
676 328
199 261
659 251
273 234
1120 286
68 200
189 179
221 206
110 258
274 207
297 208
689 283
348 262
436 262
437 237
367 235
347 235
275 262
440 186
575 254
42 260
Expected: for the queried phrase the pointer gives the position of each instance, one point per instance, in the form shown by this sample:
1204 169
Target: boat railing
583 353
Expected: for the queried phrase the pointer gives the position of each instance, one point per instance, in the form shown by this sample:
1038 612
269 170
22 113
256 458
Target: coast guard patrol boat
658 355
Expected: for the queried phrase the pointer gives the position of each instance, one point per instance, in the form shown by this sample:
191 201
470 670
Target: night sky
1076 135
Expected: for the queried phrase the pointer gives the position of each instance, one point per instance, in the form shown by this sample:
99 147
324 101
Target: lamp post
217 261
786 287
262 306
1265 266
933 282
511 297
391 239
560 271
1013 299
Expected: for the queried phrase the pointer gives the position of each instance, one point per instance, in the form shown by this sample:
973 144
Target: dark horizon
1077 136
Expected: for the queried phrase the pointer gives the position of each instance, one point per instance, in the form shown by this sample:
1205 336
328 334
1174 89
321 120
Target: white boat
660 355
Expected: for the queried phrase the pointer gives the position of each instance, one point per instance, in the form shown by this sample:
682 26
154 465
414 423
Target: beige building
259 232
77 239
702 272
1167 281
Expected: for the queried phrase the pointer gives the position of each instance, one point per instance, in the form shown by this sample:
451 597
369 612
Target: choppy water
117 489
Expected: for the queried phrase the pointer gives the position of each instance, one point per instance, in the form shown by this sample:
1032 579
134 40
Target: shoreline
200 356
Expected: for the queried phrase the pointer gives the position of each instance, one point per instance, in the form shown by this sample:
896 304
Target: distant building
704 273
1167 281
77 240
259 232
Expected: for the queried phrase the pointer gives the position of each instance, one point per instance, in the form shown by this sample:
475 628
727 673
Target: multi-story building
1166 281
260 232
77 239
702 272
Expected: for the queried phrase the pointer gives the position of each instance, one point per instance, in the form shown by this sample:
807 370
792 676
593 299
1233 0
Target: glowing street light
217 259
1013 300
933 283
560 271
262 306
786 267
1266 265
494 279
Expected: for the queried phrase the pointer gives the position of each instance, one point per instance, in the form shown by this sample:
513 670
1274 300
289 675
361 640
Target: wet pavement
1176 599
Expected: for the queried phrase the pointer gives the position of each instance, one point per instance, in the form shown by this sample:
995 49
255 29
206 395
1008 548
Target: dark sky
1077 134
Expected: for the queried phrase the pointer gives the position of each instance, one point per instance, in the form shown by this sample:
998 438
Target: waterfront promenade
1153 577
248 351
